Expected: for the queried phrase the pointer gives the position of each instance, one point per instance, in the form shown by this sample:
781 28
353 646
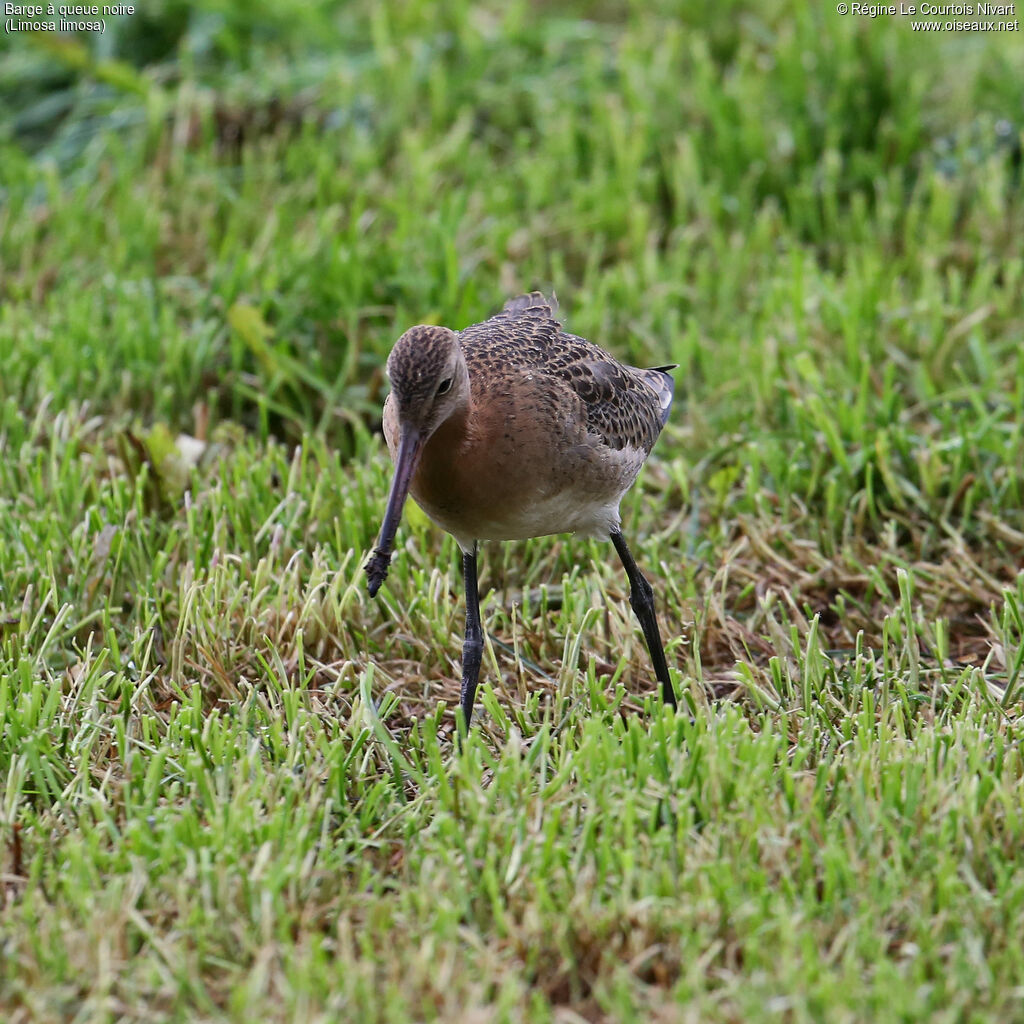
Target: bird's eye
444 387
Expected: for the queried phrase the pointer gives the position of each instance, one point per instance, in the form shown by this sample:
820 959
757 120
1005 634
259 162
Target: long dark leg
641 597
473 648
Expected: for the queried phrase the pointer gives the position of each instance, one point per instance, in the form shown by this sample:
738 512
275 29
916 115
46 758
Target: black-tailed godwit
513 428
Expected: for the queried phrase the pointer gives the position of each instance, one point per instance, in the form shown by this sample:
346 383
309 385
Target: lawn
229 789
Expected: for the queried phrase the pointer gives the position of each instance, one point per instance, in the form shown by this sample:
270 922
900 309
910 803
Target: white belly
561 513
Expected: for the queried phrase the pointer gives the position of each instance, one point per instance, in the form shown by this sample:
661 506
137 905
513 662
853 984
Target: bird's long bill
410 445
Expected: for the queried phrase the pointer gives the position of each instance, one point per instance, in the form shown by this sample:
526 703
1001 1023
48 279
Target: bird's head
429 382
429 379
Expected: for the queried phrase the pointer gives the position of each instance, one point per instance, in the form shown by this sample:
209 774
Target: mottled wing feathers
625 407
619 406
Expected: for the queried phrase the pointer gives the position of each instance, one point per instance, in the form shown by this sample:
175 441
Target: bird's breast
496 475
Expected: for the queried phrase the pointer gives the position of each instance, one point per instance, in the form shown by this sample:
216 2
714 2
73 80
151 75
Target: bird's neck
440 464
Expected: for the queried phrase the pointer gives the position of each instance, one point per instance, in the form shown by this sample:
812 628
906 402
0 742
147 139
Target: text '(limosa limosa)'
513 428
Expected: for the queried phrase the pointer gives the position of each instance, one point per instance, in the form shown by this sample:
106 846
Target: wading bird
513 428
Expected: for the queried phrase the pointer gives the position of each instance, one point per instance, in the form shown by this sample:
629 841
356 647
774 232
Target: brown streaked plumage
513 428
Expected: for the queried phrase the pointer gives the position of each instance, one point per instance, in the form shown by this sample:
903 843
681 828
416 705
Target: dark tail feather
658 380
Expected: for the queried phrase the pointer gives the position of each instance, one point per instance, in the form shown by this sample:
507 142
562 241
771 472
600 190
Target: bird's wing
623 406
534 301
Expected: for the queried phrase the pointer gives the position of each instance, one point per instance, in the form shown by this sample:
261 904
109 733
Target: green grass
228 784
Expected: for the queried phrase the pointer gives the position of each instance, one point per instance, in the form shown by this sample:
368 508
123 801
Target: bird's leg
641 597
473 648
